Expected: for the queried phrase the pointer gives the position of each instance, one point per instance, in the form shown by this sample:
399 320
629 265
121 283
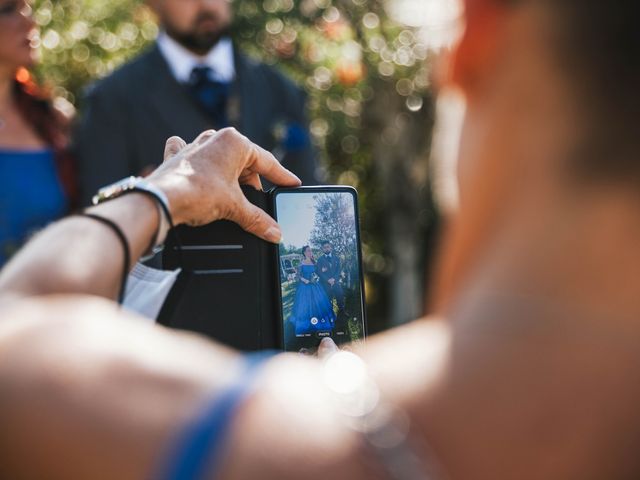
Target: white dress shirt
181 61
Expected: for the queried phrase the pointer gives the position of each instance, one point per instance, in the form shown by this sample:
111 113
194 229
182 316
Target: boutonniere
290 137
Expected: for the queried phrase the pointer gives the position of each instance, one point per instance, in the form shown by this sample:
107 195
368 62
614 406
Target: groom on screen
329 270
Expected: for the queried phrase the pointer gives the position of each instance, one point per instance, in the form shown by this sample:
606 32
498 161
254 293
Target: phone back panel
227 289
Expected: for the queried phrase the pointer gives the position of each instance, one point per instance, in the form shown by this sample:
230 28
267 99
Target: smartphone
321 290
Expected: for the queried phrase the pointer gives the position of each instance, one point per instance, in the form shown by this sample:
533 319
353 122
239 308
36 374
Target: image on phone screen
320 267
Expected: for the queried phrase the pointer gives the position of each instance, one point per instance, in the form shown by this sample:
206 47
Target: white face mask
147 290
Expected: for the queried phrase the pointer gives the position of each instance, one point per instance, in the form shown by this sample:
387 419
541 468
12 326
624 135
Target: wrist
155 194
175 198
137 215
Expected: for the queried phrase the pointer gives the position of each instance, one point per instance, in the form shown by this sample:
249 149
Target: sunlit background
366 67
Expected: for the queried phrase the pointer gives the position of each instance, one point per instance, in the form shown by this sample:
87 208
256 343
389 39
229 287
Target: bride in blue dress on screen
312 311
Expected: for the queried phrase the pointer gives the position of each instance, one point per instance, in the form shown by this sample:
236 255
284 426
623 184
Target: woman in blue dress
312 311
36 171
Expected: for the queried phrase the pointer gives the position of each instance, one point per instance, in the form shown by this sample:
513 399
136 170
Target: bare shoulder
88 368
90 343
26 316
56 331
88 326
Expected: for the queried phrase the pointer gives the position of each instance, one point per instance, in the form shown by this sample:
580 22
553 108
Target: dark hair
50 125
304 249
326 242
598 47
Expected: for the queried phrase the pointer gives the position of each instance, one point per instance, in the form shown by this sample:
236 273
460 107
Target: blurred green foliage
84 40
366 76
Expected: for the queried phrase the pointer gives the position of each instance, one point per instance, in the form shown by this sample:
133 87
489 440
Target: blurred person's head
197 25
307 253
326 247
17 29
552 102
18 35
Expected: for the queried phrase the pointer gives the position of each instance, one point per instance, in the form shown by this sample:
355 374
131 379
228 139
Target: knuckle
206 134
235 136
253 219
228 132
173 143
230 135
270 162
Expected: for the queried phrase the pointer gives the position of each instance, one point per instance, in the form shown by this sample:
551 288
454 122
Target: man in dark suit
330 270
192 79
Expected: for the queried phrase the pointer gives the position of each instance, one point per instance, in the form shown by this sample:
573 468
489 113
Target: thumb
173 147
255 220
327 348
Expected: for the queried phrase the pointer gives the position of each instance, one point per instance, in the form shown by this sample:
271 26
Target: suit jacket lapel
171 101
246 90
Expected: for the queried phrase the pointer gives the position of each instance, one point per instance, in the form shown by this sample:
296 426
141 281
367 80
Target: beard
199 40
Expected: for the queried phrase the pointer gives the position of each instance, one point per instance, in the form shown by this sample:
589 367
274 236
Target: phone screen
320 267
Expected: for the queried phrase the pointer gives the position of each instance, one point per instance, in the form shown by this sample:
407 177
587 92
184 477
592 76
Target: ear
477 51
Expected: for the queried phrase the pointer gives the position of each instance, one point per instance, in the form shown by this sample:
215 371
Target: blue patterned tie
210 94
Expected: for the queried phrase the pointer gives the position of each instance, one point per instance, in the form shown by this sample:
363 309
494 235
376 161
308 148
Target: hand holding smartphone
319 266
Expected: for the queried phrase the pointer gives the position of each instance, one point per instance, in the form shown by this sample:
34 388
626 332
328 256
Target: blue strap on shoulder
199 449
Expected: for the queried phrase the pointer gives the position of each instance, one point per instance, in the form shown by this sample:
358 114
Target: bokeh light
365 67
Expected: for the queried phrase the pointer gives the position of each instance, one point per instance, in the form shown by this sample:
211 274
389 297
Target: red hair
50 125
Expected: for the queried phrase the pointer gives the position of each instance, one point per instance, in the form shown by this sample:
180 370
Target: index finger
265 164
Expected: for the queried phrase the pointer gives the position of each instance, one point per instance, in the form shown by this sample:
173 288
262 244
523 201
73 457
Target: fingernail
273 234
328 344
